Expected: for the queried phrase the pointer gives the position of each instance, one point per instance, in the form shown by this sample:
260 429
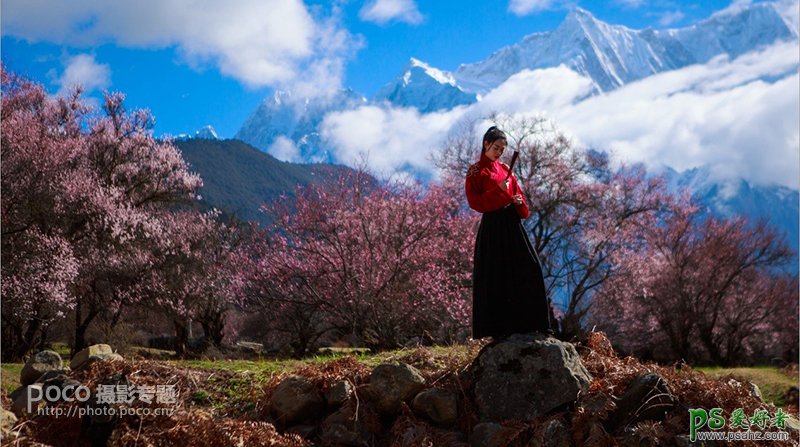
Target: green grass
772 381
9 377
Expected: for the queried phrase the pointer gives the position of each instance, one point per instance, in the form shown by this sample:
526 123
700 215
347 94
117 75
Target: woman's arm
483 195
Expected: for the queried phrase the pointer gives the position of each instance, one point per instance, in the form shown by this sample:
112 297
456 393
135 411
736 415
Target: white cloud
547 89
668 18
524 7
83 70
390 140
284 149
258 42
721 114
383 11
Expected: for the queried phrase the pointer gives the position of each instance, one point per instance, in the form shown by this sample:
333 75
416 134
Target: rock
20 399
61 382
599 405
755 391
526 376
39 364
648 397
91 354
438 405
343 428
490 434
54 373
553 433
339 393
391 384
102 417
7 422
792 425
295 400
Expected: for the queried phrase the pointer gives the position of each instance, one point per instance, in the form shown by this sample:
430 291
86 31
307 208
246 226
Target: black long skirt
508 291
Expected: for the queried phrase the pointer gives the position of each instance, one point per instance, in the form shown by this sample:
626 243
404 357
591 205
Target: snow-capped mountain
206 132
613 55
732 197
296 119
424 87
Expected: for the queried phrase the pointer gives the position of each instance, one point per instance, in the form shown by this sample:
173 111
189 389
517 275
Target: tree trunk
181 338
82 325
213 328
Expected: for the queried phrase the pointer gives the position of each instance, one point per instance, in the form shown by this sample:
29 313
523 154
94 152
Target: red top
483 193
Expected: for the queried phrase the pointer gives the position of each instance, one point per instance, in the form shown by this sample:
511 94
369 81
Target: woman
508 294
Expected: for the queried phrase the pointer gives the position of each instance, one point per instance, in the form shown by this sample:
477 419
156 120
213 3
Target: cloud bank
739 116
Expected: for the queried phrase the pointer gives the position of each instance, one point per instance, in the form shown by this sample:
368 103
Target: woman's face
495 149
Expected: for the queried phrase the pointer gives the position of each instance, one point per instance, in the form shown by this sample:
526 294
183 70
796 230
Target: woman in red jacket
508 291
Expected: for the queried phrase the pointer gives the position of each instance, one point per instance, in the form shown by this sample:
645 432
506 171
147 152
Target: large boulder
438 405
20 399
339 393
527 375
100 352
39 364
390 384
295 400
344 427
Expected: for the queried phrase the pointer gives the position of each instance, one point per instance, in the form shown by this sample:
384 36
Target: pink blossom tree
88 200
377 263
705 289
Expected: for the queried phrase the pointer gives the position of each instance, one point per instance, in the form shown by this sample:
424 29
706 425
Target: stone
553 433
343 428
390 384
438 405
39 364
339 393
102 417
527 375
648 397
295 400
599 405
100 352
20 399
61 382
792 425
755 391
54 373
490 434
7 422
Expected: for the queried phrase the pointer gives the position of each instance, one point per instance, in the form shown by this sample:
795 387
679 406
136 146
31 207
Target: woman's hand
517 199
504 185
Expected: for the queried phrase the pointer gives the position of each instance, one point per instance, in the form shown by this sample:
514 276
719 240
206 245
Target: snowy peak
286 123
207 133
425 88
614 55
439 76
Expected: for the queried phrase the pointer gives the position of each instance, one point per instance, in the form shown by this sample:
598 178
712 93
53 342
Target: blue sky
198 62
